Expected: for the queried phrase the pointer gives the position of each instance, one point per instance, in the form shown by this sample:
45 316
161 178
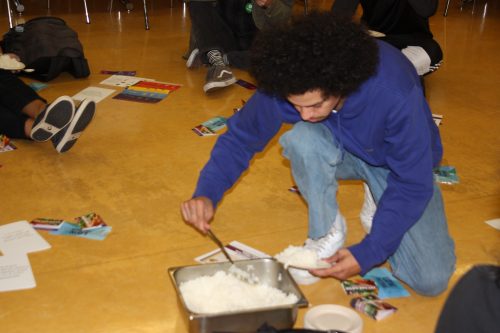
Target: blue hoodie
386 123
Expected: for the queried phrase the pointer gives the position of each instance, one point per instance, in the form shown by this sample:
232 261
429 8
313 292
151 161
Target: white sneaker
368 210
324 247
194 59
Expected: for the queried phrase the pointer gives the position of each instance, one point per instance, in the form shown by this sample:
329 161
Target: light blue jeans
425 258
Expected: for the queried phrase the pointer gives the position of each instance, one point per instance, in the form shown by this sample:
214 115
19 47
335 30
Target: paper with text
95 94
15 272
20 237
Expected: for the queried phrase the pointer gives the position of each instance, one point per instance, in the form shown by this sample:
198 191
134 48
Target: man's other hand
344 266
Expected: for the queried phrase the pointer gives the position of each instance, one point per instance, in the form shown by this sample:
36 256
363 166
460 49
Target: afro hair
318 51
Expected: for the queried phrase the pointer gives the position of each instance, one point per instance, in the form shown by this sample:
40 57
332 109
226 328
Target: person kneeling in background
222 33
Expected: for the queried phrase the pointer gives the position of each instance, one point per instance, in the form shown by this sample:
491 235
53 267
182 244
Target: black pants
14 96
223 25
430 46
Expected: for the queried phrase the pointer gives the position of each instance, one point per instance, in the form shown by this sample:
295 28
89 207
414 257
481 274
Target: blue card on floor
388 286
70 229
445 174
37 86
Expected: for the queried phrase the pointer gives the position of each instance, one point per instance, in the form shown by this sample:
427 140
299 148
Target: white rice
298 256
224 292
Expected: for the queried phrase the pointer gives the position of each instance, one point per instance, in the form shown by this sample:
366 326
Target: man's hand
263 3
198 212
344 266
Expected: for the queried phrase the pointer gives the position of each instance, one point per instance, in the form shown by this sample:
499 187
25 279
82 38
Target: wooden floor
137 162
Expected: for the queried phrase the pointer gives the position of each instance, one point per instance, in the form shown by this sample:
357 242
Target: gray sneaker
218 77
194 59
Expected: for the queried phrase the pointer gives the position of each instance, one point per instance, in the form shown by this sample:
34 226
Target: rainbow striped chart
147 91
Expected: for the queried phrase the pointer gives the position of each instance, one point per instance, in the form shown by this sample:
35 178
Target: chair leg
48 4
146 17
87 16
306 10
446 8
9 13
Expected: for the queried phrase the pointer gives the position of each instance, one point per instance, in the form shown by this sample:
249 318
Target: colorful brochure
359 287
388 286
210 127
373 307
147 91
43 223
6 144
70 229
445 175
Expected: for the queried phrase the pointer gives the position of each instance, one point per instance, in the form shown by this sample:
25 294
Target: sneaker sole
192 60
53 119
83 117
213 86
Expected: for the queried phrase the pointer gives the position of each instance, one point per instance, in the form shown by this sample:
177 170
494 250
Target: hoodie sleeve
409 157
249 131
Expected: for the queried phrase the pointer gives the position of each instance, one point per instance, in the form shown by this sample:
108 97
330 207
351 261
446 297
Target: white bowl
333 317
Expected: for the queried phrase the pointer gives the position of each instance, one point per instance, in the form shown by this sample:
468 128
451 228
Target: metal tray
269 271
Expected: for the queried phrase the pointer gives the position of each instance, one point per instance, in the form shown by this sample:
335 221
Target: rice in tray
224 292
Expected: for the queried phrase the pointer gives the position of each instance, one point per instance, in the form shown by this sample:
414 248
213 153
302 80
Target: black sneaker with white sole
218 77
66 138
53 119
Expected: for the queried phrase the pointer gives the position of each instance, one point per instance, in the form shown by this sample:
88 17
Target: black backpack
49 46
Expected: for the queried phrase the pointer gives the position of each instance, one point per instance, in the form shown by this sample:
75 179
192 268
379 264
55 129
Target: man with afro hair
358 112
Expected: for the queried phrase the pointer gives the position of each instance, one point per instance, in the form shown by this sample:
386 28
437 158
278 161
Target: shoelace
215 58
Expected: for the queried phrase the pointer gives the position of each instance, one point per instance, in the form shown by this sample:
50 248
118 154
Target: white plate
10 64
333 317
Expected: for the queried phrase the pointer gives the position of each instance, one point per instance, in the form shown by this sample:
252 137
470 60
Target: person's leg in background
26 115
19 105
244 29
14 125
212 36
